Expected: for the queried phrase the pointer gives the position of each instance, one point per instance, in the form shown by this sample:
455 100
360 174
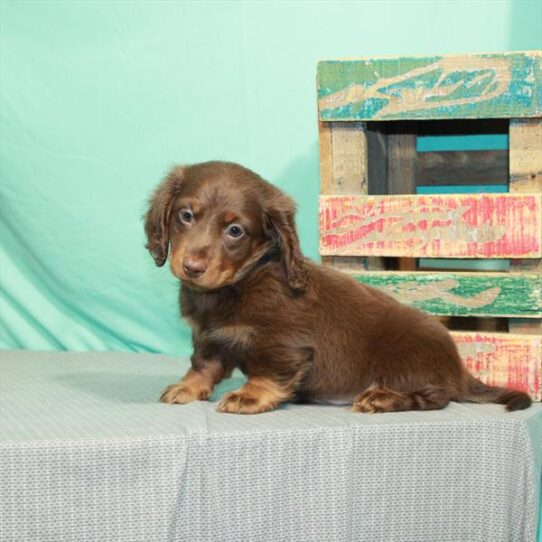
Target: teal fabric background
99 99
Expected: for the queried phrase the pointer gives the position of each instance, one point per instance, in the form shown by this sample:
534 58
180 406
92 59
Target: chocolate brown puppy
299 331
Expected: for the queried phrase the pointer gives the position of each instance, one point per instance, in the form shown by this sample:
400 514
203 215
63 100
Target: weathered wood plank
462 294
462 167
343 170
343 158
503 359
391 155
377 161
525 155
525 326
326 165
349 158
526 176
401 163
504 85
432 226
402 175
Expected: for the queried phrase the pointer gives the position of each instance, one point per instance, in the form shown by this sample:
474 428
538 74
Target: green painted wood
506 85
462 294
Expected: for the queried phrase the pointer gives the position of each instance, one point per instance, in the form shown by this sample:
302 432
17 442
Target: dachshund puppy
299 331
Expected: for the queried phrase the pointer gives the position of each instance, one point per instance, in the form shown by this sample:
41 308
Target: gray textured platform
88 454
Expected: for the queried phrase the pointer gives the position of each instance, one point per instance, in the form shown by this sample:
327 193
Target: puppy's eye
235 231
186 216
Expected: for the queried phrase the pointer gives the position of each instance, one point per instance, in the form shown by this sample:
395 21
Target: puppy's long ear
158 214
279 224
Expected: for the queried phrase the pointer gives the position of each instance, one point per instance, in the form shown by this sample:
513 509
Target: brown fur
298 330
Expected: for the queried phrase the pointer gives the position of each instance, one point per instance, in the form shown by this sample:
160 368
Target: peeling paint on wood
432 226
503 359
526 176
462 294
343 170
505 85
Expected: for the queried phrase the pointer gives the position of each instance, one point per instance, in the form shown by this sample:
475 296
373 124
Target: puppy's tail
478 392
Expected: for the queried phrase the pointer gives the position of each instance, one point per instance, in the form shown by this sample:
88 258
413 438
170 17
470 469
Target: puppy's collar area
270 255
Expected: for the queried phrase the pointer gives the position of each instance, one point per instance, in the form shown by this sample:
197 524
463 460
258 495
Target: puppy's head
217 220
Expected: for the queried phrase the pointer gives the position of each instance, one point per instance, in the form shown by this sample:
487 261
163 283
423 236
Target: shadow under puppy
299 331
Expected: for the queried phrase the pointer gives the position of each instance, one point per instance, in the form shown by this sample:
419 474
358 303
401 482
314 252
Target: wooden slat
401 163
462 167
503 359
526 155
326 165
504 85
377 161
343 170
462 294
526 176
432 226
349 158
402 175
391 153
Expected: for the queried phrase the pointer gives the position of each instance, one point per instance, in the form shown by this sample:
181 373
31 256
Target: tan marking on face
195 385
220 270
195 205
219 273
230 216
259 394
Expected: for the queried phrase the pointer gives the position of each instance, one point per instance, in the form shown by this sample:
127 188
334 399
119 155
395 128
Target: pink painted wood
434 226
503 359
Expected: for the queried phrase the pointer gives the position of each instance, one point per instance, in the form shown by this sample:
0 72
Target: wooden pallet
374 226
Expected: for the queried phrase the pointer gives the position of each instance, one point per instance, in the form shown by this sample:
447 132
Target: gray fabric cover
87 453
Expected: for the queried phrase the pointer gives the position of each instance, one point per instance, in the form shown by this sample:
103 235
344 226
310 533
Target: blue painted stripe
487 142
463 189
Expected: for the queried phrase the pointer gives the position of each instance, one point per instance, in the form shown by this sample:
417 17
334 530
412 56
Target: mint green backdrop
100 98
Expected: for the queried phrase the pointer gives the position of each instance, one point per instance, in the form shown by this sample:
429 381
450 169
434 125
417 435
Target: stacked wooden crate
374 225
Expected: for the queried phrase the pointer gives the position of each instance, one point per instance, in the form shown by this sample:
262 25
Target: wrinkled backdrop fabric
99 99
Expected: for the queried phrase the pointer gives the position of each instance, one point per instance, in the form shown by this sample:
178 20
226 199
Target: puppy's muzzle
194 267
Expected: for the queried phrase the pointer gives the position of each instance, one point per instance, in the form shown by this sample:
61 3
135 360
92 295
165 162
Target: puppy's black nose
193 267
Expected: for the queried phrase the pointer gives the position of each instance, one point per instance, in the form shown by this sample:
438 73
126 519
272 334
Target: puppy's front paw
244 402
181 394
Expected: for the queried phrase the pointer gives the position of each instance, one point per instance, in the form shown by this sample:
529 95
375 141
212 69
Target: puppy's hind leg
382 399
